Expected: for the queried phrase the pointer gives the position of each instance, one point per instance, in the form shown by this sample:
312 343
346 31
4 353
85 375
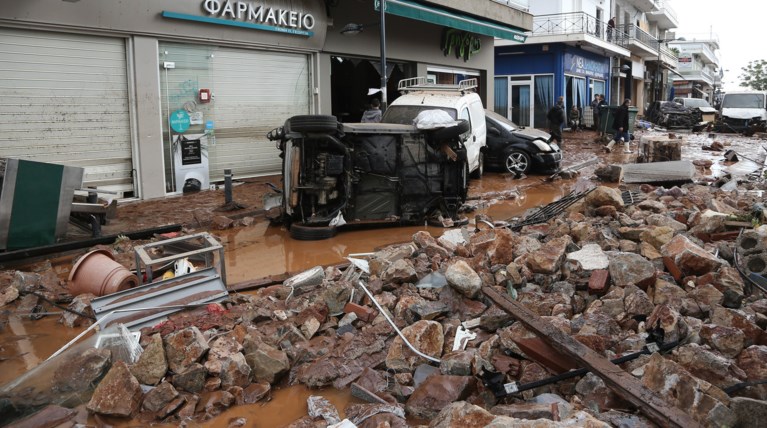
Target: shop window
501 96
544 99
575 93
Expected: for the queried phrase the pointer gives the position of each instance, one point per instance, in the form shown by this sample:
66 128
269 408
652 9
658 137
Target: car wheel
311 233
517 161
313 123
452 132
480 171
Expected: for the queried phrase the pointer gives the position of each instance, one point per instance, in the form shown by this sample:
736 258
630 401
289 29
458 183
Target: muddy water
263 249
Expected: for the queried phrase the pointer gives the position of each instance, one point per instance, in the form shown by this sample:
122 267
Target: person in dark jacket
621 124
557 118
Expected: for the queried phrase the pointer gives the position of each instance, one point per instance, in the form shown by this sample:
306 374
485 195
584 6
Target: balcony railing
640 35
523 5
666 8
668 56
577 23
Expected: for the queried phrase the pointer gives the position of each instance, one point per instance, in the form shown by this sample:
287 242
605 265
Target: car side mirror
494 131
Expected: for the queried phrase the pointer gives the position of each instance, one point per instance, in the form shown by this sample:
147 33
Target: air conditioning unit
649 75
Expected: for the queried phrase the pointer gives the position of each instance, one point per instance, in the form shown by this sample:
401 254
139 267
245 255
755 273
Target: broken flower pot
97 272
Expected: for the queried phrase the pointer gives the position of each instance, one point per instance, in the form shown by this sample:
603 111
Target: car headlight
542 146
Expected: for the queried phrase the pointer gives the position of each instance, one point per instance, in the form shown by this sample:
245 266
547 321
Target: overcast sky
740 25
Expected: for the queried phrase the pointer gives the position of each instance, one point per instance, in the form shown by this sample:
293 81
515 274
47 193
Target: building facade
699 72
140 92
574 52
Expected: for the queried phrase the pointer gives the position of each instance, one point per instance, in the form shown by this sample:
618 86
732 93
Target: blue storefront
529 78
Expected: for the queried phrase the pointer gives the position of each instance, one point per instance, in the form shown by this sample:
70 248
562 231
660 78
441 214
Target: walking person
620 125
557 118
595 112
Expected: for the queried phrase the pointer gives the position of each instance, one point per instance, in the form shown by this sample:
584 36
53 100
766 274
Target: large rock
732 318
590 257
399 272
426 243
221 349
81 371
463 278
159 397
665 221
436 392
462 414
703 401
184 348
118 394
670 322
753 361
192 379
235 371
749 412
631 269
80 305
255 391
151 365
729 341
704 364
690 258
548 259
657 236
320 407
268 363
8 294
602 196
425 336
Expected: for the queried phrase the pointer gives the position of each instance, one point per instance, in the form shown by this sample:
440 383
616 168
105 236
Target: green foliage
755 75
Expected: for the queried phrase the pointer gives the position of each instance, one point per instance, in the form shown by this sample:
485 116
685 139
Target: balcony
523 5
579 29
642 5
640 42
668 57
514 12
663 15
698 74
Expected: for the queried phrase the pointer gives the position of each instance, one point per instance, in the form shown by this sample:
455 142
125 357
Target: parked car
519 149
742 110
362 173
702 109
459 101
671 115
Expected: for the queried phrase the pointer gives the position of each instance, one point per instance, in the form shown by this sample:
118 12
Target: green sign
179 121
461 43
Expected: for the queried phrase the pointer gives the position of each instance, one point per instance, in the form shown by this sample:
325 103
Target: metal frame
143 258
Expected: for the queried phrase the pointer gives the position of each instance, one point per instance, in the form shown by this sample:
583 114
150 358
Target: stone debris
619 278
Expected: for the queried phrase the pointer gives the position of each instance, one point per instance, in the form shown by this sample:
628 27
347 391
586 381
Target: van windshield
404 115
695 102
743 101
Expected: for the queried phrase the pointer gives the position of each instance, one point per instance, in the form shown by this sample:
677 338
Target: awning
438 16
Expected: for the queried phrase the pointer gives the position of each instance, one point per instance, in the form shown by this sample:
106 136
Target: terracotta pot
97 272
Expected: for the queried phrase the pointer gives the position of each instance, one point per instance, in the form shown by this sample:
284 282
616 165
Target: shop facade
154 97
136 92
529 79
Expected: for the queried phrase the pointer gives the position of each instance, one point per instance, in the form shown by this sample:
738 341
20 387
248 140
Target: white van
739 109
459 101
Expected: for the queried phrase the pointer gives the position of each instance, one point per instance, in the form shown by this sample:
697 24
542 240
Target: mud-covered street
615 277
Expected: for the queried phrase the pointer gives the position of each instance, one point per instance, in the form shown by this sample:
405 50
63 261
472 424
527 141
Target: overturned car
363 173
671 115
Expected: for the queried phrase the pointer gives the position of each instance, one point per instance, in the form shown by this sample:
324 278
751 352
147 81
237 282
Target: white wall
546 7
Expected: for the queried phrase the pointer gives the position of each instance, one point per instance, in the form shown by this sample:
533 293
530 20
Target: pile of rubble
656 279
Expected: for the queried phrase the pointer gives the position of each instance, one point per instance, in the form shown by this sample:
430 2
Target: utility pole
383 55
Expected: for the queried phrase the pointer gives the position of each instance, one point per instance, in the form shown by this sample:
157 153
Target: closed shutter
254 92
65 100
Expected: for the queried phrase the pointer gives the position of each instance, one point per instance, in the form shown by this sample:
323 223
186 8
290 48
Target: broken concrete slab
659 172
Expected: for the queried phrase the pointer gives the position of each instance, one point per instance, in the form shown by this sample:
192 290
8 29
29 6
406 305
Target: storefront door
521 103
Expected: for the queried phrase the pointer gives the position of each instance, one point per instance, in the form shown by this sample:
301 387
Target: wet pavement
263 249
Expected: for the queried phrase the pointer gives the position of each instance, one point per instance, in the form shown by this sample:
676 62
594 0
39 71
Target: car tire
480 171
517 161
302 232
452 132
313 123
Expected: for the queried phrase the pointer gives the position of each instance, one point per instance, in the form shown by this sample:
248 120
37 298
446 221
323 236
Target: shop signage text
586 67
251 15
463 43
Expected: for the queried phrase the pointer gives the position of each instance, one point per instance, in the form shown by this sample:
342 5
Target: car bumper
547 162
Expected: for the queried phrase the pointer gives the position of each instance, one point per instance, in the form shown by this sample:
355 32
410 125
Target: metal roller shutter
65 100
254 93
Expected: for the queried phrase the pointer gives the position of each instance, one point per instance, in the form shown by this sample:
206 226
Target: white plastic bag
433 119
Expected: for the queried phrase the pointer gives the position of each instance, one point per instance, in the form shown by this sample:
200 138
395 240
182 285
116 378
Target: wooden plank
624 384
